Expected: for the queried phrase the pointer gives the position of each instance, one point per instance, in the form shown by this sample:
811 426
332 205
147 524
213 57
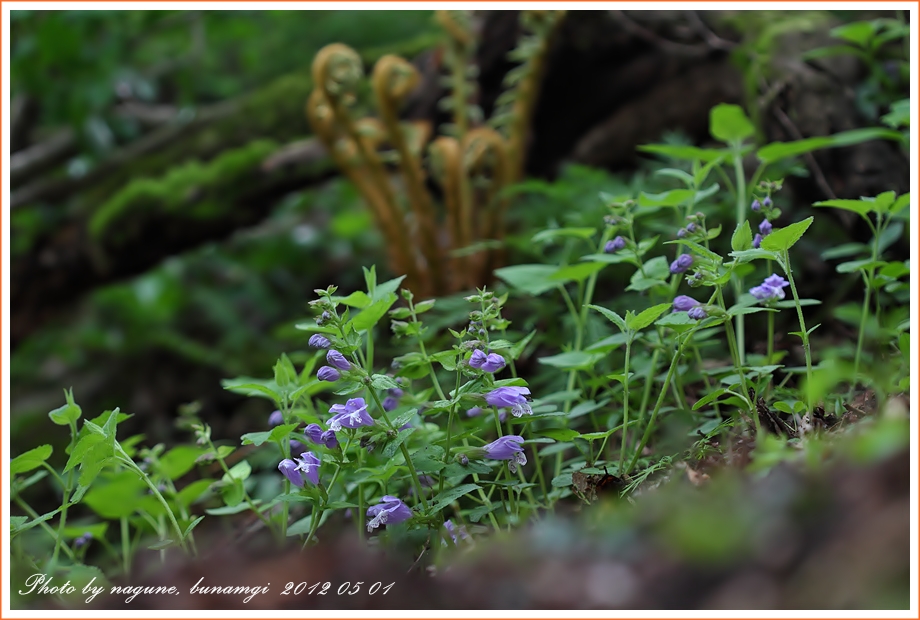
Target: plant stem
405 452
125 546
740 206
625 403
664 390
805 340
48 529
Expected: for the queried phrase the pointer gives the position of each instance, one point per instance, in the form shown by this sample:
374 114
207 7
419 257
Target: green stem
741 209
405 453
625 404
125 546
664 390
48 529
805 340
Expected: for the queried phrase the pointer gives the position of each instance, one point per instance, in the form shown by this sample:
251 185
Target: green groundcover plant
415 423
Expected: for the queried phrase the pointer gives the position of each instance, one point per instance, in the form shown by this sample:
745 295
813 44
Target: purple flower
771 289
494 362
507 448
452 531
389 510
291 471
350 415
757 239
755 206
395 392
83 540
681 233
306 467
328 373
338 360
478 359
319 341
683 303
514 397
314 433
765 228
767 202
614 245
475 411
691 227
682 264
275 419
697 313
390 403
329 440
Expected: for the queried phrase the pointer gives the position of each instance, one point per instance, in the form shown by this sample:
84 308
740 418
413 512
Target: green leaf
699 249
781 239
728 123
67 414
559 434
178 461
191 526
551 234
780 150
858 33
863 207
442 500
615 318
684 152
30 460
531 279
358 299
428 460
193 491
393 445
232 510
709 398
742 239
383 291
369 317
572 360
518 349
383 382
746 256
672 198
163 544
576 272
646 317
240 471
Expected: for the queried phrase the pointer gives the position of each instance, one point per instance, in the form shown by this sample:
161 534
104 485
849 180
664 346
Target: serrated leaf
612 316
383 382
646 317
370 315
742 238
781 239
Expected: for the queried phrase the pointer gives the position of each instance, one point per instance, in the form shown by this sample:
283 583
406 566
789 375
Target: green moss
192 187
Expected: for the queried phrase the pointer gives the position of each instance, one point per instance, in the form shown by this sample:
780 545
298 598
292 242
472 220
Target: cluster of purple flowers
614 245
300 470
317 435
82 541
682 263
693 308
493 362
337 362
765 227
771 289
